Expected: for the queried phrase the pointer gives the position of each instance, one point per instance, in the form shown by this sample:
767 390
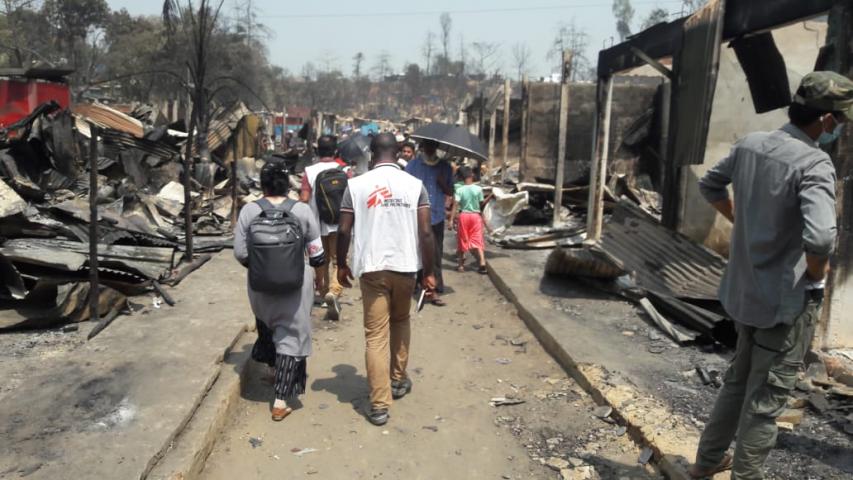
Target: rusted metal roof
662 261
109 118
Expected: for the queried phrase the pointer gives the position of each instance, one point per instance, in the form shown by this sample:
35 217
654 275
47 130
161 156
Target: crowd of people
394 217
385 227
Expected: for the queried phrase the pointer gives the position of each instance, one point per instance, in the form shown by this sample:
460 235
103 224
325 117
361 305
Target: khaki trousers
387 298
329 271
756 390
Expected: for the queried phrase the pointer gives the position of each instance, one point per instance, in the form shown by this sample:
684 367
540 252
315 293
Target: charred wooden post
525 118
94 289
188 208
595 212
234 183
493 118
563 133
505 133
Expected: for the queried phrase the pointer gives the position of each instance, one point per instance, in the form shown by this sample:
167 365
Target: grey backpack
276 249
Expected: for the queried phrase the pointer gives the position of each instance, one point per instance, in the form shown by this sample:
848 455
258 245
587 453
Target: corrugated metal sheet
695 82
109 118
150 262
122 140
663 261
222 127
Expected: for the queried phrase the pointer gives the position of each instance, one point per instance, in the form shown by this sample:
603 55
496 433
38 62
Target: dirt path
445 428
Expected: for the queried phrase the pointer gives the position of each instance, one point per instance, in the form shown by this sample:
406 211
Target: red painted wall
20 96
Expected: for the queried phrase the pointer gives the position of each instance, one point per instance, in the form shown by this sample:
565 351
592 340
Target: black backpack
276 249
329 191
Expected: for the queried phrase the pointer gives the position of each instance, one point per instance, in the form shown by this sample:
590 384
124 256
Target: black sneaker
378 417
399 388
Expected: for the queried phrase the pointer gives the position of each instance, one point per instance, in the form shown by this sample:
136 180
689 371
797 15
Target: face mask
430 160
828 138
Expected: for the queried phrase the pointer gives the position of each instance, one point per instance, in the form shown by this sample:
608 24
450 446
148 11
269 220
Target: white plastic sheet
502 209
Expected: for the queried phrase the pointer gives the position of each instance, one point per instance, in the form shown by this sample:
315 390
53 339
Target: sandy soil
462 355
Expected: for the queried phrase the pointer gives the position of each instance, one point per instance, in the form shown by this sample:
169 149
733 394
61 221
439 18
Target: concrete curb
188 451
596 381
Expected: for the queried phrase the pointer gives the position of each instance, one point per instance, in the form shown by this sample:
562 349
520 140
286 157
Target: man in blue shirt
437 177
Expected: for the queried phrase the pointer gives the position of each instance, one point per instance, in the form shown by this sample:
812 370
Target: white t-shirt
311 172
385 202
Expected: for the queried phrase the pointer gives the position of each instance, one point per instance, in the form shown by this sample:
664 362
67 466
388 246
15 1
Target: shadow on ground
347 385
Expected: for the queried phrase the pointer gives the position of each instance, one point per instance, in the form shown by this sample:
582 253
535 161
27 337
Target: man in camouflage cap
784 231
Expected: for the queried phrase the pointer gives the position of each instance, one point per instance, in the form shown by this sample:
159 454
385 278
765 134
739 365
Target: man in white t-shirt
330 289
386 213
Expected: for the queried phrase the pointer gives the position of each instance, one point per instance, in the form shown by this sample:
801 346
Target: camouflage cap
827 91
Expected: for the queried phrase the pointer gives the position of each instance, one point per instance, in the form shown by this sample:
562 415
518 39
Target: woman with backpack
275 238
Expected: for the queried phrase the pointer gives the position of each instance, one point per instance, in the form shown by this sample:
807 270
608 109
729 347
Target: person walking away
386 214
407 153
436 176
468 203
275 237
323 185
784 231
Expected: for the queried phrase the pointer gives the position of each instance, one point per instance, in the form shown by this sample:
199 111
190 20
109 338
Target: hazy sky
313 31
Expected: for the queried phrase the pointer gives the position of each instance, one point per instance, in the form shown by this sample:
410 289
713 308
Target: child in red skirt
468 204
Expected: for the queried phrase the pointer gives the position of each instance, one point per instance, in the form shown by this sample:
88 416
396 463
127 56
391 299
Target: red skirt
469 234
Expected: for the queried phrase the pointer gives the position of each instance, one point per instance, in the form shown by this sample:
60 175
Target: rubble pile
673 279
44 206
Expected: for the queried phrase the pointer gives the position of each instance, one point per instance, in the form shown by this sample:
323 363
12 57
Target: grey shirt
784 198
288 314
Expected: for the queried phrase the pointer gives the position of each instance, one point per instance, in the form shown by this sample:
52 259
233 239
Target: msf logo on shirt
382 197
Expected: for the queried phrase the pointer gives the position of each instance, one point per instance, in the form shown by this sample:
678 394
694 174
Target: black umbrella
454 140
354 148
356 151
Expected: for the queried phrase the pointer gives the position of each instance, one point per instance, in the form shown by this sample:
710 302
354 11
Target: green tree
22 33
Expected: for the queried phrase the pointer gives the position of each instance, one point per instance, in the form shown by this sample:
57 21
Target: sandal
438 302
279 414
433 298
482 270
460 269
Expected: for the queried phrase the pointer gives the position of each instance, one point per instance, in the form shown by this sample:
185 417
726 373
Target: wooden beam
560 175
505 133
666 72
595 209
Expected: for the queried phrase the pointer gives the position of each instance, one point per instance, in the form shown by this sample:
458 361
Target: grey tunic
784 189
288 314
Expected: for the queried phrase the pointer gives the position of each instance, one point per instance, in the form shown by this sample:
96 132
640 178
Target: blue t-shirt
429 176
